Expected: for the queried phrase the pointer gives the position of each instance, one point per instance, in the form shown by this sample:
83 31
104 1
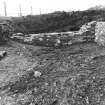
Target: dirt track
69 76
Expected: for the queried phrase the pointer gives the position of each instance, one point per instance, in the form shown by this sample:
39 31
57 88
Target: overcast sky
46 6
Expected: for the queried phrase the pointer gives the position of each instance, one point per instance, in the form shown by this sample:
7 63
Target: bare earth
69 76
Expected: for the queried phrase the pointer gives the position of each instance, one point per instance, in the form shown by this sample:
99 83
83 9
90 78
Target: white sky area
46 6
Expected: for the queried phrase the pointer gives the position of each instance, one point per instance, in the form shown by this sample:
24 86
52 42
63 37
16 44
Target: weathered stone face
88 27
100 33
96 29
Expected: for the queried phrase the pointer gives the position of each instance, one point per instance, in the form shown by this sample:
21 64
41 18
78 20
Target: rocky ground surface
73 75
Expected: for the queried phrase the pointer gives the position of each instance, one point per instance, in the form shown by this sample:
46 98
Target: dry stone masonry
92 31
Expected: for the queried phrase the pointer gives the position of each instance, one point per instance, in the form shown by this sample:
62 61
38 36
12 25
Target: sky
46 6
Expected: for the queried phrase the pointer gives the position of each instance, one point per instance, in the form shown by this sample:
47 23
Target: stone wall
93 31
100 33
